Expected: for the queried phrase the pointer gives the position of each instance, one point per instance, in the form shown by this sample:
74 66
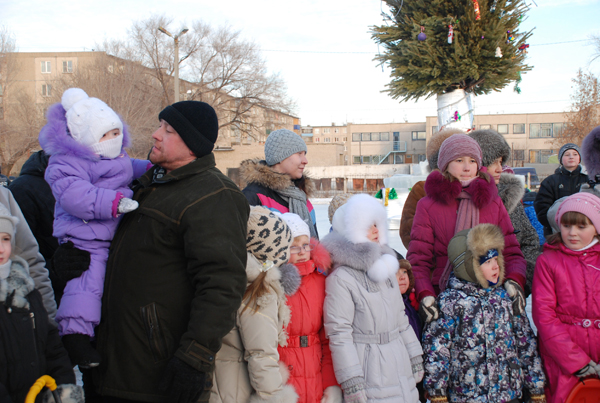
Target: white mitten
418 370
589 369
332 394
516 294
384 267
428 309
127 205
67 393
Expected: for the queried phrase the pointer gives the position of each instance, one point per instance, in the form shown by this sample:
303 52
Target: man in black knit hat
176 270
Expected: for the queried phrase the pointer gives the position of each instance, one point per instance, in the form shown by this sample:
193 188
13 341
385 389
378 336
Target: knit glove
127 205
428 309
589 369
516 294
332 394
67 393
416 364
182 382
69 262
354 390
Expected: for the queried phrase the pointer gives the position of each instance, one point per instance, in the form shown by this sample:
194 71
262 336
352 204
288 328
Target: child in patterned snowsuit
478 350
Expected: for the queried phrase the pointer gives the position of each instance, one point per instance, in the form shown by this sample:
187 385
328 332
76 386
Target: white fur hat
8 223
88 118
296 224
354 219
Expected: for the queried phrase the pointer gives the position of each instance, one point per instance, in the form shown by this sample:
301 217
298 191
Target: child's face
570 159
300 250
109 135
463 168
491 270
373 233
403 281
5 247
577 236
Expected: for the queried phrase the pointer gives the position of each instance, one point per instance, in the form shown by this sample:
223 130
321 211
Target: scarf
466 217
296 200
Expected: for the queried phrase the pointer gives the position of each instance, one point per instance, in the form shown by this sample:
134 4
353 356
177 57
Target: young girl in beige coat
247 366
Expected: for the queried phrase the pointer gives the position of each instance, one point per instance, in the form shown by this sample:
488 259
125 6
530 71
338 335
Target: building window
375 137
336 130
540 130
343 130
46 90
1 93
345 138
518 155
355 136
1 112
398 159
557 129
67 66
328 139
419 135
422 157
539 156
366 159
434 129
366 137
519 128
46 68
356 159
385 136
326 131
485 127
336 139
503 129
316 131
317 140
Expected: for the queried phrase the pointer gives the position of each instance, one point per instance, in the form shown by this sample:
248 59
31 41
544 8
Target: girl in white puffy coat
376 354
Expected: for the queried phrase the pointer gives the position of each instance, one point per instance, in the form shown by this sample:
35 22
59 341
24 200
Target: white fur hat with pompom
88 118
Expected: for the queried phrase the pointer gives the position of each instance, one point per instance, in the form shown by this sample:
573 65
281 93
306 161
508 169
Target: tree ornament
523 48
509 37
517 89
393 194
498 52
379 195
477 12
422 35
457 116
450 33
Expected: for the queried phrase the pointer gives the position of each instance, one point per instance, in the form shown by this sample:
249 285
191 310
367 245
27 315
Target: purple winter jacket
84 185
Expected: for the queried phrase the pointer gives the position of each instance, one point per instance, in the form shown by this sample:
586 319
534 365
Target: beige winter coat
247 366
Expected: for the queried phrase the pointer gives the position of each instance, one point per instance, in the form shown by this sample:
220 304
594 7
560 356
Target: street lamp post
176 39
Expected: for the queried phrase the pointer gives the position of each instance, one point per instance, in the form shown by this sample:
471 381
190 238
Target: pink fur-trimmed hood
441 190
55 139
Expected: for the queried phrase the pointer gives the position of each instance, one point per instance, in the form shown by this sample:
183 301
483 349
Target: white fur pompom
383 268
71 96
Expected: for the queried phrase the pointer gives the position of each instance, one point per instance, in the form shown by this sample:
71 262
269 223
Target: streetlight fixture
176 39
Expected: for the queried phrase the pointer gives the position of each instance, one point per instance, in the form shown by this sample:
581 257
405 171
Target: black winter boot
81 351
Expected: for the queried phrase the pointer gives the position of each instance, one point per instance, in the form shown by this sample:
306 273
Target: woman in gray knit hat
496 153
278 182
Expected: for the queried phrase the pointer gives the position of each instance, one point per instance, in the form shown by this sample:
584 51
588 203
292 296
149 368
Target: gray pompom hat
493 146
281 144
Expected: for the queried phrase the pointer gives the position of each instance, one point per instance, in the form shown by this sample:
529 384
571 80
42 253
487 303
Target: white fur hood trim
354 219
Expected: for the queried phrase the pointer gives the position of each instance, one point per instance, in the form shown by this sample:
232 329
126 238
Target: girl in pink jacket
566 297
460 195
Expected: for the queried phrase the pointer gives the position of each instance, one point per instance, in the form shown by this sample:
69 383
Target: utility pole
176 39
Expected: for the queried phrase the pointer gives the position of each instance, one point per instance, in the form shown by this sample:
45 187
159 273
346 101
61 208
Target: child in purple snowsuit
89 173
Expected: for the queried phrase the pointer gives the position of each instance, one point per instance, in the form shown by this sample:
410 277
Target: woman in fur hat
376 354
459 196
278 182
247 367
29 344
566 180
479 350
89 173
495 154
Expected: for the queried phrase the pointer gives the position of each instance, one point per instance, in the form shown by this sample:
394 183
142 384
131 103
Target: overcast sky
323 49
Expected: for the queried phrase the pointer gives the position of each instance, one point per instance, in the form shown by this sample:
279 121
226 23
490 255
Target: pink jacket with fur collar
434 223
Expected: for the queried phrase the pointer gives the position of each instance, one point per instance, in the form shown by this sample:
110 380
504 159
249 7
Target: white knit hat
8 223
89 119
296 224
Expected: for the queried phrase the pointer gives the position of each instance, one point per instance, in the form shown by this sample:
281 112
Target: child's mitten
332 394
416 363
354 390
589 369
67 393
516 294
428 309
127 205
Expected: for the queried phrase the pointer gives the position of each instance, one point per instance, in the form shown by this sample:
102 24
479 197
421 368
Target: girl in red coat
460 195
566 297
307 353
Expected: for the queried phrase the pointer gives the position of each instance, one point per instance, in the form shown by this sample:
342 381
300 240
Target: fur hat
269 237
567 147
336 202
585 203
590 153
492 144
354 219
456 146
281 144
405 264
296 224
467 247
88 119
434 144
196 123
8 223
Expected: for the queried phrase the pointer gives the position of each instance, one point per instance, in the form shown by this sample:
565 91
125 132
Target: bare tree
585 109
219 66
596 42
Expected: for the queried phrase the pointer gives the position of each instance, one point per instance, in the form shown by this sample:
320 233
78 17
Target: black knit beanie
196 123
